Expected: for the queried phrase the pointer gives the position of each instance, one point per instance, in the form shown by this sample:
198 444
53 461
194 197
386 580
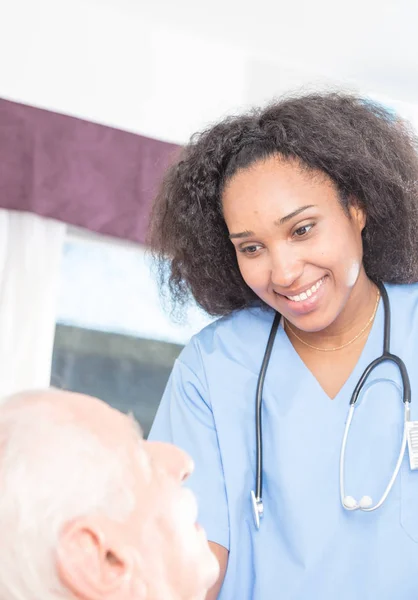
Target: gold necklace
286 323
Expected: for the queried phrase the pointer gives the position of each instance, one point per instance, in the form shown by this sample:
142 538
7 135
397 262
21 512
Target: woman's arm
221 554
185 419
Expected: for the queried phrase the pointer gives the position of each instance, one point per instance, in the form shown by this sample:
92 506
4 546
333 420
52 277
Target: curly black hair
368 152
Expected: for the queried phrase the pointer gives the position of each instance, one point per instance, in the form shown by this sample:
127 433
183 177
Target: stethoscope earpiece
351 503
365 502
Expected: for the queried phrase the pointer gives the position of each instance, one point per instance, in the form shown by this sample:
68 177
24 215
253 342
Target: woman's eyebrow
244 234
293 214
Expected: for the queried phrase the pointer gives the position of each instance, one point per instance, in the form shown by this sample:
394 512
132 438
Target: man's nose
172 459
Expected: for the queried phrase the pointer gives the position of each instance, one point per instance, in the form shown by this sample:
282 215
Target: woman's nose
174 461
286 268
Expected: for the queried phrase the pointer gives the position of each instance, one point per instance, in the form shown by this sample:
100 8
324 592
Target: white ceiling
371 42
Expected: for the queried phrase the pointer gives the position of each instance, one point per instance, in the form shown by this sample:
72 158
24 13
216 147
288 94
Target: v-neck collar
367 355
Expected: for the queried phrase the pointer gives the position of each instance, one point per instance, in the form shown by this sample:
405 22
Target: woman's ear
93 564
357 213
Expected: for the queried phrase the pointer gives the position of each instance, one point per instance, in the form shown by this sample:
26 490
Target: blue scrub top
308 547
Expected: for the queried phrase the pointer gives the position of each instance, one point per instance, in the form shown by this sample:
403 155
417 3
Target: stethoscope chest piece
258 509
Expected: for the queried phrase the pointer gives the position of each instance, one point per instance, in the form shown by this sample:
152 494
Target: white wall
104 61
98 63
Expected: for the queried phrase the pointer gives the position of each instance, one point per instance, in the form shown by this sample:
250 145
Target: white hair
52 470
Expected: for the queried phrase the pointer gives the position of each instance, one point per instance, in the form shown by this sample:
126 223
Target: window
113 338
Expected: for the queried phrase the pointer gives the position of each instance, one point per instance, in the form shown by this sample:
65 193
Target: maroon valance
79 172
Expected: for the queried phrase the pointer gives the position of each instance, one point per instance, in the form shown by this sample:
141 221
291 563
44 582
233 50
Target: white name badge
412 437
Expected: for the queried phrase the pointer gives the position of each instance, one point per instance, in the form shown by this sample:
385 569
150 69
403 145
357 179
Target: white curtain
30 258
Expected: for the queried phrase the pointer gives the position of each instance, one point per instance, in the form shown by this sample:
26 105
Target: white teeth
307 293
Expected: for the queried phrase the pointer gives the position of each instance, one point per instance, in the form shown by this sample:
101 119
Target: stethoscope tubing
258 407
385 357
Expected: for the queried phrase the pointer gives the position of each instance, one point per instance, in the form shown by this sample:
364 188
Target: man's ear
95 566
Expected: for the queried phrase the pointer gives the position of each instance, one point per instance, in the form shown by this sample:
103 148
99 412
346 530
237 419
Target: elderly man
88 510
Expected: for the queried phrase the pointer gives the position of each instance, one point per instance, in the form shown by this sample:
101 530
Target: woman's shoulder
246 328
240 326
402 295
403 304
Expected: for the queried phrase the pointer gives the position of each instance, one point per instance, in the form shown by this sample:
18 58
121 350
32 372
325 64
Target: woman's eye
301 231
250 249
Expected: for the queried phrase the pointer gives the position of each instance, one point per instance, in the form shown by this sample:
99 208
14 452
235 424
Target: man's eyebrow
293 214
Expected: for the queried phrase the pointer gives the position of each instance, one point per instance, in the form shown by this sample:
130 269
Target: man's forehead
135 426
67 407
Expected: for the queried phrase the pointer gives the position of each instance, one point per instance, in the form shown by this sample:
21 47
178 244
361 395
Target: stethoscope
348 502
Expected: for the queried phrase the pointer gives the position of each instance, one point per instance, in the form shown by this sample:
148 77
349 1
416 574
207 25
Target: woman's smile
305 301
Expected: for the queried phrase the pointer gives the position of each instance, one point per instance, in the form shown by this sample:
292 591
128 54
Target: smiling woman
307 210
296 255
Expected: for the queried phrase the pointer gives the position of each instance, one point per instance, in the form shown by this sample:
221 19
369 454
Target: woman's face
297 248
